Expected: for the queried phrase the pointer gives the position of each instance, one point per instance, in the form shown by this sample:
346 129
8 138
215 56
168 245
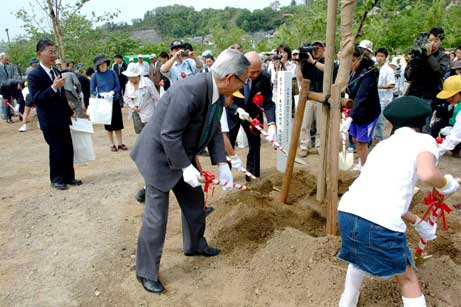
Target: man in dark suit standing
120 66
185 121
46 89
258 99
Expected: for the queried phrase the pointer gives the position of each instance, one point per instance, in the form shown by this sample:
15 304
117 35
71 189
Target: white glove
272 133
425 230
191 176
451 185
243 115
236 162
225 176
446 131
345 124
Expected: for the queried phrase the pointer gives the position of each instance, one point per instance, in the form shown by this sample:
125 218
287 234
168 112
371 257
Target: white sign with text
283 101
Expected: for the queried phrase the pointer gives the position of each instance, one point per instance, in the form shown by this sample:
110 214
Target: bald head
255 64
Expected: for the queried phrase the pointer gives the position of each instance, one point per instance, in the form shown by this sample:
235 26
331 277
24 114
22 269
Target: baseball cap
33 60
296 51
153 56
140 56
176 44
318 43
451 86
58 62
457 65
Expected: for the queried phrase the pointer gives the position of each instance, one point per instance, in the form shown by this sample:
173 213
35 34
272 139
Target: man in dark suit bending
46 89
185 121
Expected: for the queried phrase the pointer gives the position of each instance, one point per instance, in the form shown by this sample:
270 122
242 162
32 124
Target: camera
185 53
419 46
276 58
304 50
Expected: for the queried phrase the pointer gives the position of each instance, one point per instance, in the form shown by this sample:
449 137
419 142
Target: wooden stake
294 140
333 168
327 81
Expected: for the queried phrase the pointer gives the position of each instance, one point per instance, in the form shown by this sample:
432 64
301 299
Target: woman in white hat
140 95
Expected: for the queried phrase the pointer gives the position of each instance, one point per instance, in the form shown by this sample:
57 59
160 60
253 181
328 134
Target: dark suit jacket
122 79
170 140
52 108
262 84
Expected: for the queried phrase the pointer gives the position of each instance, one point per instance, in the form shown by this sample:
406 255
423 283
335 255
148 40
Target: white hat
296 51
153 56
140 56
132 70
58 62
366 44
131 60
395 61
207 53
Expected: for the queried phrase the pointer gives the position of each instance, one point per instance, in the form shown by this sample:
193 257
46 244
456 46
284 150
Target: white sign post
283 103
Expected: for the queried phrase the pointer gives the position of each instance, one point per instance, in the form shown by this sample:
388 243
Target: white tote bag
81 132
100 110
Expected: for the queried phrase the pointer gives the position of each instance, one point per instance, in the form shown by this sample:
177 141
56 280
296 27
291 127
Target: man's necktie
53 74
246 92
215 114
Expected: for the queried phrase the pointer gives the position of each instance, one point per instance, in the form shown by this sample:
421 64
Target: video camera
305 49
419 46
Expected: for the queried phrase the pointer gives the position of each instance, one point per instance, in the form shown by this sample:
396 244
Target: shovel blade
345 160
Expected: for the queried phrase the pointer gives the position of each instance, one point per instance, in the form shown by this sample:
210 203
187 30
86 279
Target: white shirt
145 98
143 68
224 124
386 76
48 71
383 191
453 138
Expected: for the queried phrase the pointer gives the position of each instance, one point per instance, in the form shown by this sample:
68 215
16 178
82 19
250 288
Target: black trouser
254 146
61 155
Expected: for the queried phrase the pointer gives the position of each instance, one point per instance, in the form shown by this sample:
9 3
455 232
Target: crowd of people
184 105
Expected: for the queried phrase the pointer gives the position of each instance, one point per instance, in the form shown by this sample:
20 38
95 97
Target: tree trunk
54 8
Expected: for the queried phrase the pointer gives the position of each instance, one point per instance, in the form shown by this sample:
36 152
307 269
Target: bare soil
77 247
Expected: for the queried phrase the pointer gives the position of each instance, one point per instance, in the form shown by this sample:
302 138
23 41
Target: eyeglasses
243 82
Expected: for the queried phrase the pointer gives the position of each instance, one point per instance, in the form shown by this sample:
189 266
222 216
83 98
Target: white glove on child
236 162
225 176
425 230
446 131
272 133
451 185
191 176
243 115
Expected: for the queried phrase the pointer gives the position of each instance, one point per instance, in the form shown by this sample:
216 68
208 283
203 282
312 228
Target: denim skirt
372 248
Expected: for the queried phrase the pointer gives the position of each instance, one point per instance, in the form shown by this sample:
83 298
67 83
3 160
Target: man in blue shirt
178 67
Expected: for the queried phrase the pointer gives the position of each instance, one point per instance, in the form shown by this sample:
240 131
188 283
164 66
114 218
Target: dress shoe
74 182
207 252
208 211
140 196
59 185
152 286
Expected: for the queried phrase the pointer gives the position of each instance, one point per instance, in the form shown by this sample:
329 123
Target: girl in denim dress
372 214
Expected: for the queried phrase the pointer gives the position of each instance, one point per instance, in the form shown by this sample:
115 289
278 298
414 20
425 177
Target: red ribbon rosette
435 202
183 75
161 83
439 140
209 177
258 100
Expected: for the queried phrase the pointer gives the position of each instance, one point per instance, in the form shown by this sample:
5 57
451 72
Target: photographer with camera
425 72
281 61
182 63
312 65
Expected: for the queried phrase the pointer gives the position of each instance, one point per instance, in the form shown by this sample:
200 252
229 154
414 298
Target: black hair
458 48
286 49
42 44
163 54
89 71
188 46
118 55
236 46
437 32
209 57
382 50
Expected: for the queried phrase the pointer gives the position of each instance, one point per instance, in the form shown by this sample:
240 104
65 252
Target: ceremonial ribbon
435 203
255 123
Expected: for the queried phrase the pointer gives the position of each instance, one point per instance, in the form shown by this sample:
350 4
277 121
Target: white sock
354 278
414 302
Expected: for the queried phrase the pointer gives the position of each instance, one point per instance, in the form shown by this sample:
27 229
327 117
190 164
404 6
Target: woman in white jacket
141 96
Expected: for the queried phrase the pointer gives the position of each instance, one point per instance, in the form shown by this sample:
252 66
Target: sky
135 9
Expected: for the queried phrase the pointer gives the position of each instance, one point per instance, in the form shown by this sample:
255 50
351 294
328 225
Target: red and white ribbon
256 124
210 179
244 170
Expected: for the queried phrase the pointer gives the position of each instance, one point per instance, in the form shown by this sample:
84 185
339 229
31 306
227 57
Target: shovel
346 159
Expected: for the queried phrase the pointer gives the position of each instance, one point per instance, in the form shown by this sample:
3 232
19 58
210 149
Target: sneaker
23 128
